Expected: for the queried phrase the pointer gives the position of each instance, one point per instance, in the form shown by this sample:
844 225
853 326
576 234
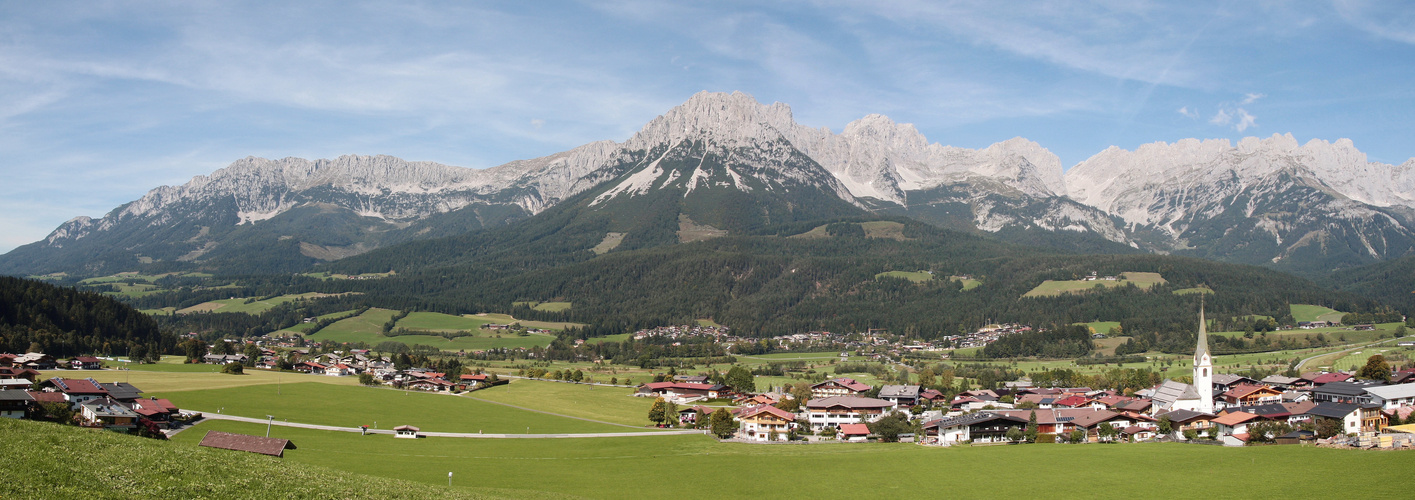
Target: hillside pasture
249 306
1309 313
612 468
968 283
1190 291
1050 288
914 276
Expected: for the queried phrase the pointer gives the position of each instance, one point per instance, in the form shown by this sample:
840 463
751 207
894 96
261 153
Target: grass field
352 406
368 327
1051 288
240 305
606 404
1304 312
617 467
1198 289
968 283
124 467
914 276
545 306
165 381
1103 327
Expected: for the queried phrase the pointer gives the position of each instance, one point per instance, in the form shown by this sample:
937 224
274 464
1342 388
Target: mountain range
725 164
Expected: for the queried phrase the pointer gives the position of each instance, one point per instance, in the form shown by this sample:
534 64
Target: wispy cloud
1192 114
1389 20
1250 98
1221 118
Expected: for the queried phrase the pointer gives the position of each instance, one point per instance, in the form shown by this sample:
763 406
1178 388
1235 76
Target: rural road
1309 358
217 416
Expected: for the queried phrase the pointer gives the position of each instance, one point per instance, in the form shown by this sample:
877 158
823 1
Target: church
1172 395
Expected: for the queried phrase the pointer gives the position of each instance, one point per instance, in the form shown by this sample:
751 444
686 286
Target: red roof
47 397
1327 378
1072 401
1245 390
87 359
478 377
854 430
790 417
848 383
77 386
1234 418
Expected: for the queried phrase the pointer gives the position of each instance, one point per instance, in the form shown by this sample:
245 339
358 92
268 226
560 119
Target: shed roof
242 442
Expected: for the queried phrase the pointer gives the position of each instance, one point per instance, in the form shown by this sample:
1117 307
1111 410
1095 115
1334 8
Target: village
1337 409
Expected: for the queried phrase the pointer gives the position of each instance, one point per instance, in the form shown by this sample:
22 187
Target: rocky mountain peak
726 120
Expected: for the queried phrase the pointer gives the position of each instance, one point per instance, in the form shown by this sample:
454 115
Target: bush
234 368
1046 438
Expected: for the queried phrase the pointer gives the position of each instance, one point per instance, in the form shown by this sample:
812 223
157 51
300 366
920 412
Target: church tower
1204 367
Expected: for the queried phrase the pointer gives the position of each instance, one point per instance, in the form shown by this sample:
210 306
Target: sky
101 101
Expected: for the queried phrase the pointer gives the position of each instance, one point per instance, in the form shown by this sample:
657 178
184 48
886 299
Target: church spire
1203 348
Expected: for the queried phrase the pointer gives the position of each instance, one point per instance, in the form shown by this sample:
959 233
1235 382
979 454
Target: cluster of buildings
115 406
1221 407
719 334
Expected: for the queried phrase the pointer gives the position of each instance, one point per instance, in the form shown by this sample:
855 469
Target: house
1234 423
981 427
759 399
855 433
1090 421
405 431
221 359
76 390
107 413
14 384
340 370
18 372
691 379
837 410
1280 382
15 404
838 387
1224 381
431 384
156 410
1138 433
765 422
35 361
933 395
1184 420
86 363
1250 395
309 367
242 442
1392 396
900 395
1327 378
689 415
684 391
1135 405
1343 392
1349 415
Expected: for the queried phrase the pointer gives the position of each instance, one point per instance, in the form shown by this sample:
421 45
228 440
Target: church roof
1170 391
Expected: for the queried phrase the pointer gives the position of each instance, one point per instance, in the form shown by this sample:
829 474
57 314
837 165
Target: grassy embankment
71 462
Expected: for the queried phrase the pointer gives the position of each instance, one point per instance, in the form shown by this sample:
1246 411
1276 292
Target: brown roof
406 428
788 416
1234 418
241 442
850 402
47 397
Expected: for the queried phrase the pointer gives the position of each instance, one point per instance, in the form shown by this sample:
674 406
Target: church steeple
1203 366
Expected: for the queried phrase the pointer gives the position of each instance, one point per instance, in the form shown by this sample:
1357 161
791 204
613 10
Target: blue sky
102 101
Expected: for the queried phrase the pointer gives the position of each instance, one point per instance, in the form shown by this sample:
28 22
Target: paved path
1309 358
218 416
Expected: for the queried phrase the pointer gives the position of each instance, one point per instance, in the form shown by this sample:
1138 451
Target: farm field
368 328
241 305
615 467
352 406
301 328
1102 327
1304 312
1051 288
1197 289
914 276
968 283
606 404
152 382
545 306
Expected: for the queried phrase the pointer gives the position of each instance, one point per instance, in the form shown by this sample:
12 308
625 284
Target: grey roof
971 419
122 390
899 391
1332 410
1344 388
108 409
1185 416
1229 379
15 396
1391 391
1280 380
1170 391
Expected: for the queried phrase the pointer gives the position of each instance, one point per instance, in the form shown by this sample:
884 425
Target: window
1205 372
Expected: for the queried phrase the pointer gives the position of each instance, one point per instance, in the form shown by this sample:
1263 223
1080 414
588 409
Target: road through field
1309 358
217 416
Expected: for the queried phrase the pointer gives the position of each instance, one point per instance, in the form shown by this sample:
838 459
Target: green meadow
249 305
914 276
368 327
1051 288
1304 312
352 406
700 467
605 404
545 306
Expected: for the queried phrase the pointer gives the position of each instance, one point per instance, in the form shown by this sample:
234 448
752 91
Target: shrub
1046 438
234 368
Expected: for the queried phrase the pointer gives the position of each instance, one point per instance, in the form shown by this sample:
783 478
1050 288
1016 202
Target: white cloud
1192 114
1221 118
1245 120
1251 97
537 123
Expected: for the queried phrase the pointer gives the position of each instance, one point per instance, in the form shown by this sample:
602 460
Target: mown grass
701 467
1051 288
606 404
968 283
352 406
1306 312
246 305
1198 289
914 276
368 327
176 377
71 462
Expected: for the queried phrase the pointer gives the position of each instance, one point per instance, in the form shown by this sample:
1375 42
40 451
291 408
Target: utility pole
268 420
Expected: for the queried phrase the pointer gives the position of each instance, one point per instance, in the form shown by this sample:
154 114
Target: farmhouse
981 427
838 387
14 404
674 391
761 423
837 410
1250 395
86 363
